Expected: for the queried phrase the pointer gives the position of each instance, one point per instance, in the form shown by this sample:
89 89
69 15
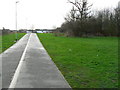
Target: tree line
82 22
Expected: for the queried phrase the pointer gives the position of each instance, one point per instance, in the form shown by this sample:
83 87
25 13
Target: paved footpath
37 69
10 59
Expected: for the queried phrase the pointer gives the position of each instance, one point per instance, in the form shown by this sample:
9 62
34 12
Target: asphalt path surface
37 70
10 60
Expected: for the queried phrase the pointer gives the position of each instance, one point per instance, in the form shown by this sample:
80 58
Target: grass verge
8 40
85 62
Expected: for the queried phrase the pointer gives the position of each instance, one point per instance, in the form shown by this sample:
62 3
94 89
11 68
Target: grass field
85 62
8 40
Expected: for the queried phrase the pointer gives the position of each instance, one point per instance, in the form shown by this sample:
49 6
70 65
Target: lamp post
16 20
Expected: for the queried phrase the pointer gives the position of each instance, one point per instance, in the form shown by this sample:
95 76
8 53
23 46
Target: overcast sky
41 13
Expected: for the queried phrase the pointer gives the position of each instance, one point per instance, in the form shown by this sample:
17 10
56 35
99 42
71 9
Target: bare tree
71 16
82 8
79 13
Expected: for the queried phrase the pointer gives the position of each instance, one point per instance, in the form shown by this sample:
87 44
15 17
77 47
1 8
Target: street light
16 20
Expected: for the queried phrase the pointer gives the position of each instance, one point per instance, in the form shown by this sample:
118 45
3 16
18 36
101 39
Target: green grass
8 40
85 62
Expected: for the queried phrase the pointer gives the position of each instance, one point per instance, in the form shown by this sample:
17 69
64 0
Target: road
37 70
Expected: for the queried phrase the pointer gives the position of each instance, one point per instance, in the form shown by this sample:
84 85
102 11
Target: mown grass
8 40
85 62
